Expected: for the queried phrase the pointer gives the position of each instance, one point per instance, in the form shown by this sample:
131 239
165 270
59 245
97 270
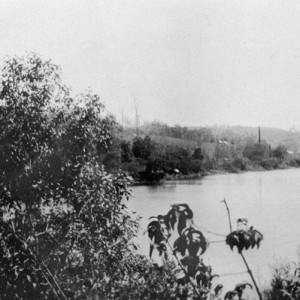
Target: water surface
270 200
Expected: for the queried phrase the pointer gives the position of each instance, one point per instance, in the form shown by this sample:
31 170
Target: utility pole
259 138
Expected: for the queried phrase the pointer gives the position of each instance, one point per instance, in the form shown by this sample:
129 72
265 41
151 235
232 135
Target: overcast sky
186 62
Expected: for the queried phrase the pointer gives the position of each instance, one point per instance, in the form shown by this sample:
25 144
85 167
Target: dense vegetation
285 283
65 231
161 151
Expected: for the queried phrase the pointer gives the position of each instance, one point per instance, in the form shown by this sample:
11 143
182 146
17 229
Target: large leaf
244 239
230 295
181 214
204 276
157 235
192 241
191 262
240 287
180 245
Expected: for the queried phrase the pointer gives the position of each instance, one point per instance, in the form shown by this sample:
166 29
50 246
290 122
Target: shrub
269 163
239 163
229 167
285 282
196 166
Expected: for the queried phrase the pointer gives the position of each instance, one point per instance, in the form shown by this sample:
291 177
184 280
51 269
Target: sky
192 63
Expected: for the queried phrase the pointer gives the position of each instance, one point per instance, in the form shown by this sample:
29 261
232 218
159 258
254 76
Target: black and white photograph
149 150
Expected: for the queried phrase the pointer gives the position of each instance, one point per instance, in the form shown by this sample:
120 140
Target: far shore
201 175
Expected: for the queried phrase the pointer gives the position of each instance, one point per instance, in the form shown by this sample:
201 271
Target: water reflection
170 186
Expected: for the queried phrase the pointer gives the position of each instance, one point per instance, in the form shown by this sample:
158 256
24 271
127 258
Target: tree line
152 157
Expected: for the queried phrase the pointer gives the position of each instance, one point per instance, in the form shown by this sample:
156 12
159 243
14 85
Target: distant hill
273 136
190 137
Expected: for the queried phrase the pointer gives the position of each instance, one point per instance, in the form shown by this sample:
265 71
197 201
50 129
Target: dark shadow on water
165 187
186 182
170 186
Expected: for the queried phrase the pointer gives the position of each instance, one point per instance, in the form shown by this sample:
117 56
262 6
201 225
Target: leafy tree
143 148
279 152
179 157
256 151
65 232
156 169
126 154
195 166
198 154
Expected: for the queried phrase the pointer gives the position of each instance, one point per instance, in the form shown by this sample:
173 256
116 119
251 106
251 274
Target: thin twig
52 287
228 212
207 231
251 275
213 242
46 268
53 278
235 273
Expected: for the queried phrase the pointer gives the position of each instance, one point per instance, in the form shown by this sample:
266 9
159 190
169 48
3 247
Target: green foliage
269 163
193 276
64 226
126 154
143 148
256 151
198 154
156 169
196 166
279 152
285 282
244 238
134 168
239 163
232 149
180 158
229 167
237 292
138 278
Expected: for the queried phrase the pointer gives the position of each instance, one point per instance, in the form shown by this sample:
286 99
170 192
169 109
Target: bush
143 148
279 152
239 163
144 280
296 162
135 167
209 164
269 163
256 151
196 166
229 167
285 282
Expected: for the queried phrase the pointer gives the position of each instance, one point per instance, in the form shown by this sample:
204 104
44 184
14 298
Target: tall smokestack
259 139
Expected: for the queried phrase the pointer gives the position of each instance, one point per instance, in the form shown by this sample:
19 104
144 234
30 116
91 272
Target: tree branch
185 272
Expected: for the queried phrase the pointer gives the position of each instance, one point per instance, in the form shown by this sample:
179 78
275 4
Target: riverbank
250 167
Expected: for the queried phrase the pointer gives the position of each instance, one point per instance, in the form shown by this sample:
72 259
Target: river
270 200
